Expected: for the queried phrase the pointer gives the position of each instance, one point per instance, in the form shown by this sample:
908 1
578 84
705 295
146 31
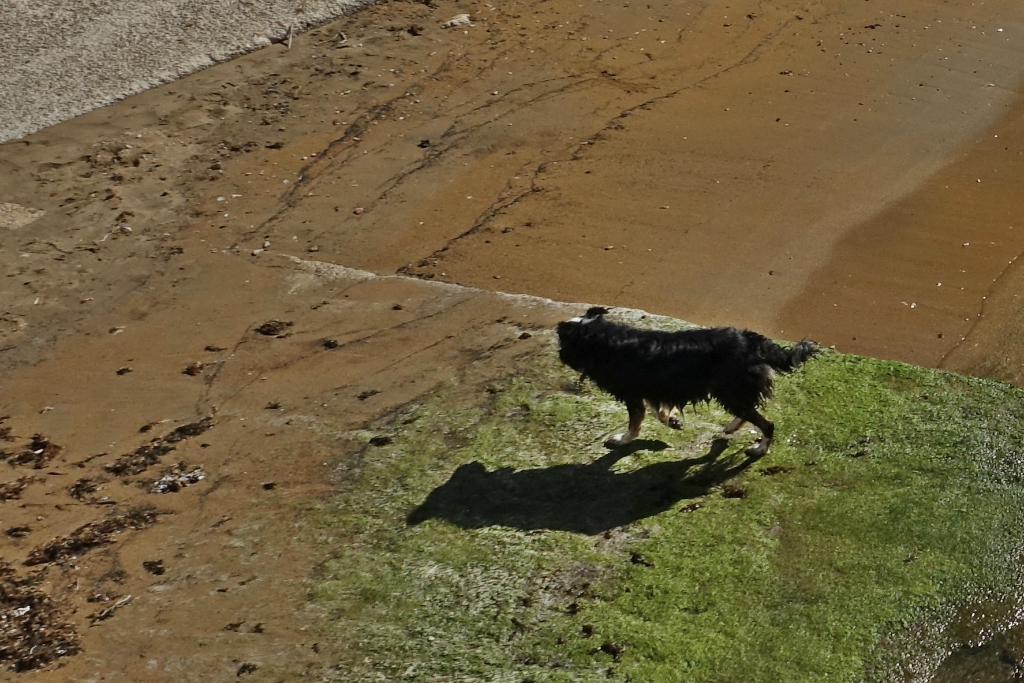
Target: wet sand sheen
821 159
923 281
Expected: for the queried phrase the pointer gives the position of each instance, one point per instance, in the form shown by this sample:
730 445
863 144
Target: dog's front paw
619 440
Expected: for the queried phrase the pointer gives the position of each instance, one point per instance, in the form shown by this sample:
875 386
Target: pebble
458 20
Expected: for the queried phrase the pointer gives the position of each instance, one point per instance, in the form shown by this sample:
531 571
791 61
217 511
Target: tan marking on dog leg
672 418
733 426
636 417
668 416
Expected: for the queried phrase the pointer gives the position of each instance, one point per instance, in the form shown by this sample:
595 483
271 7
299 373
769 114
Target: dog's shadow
586 499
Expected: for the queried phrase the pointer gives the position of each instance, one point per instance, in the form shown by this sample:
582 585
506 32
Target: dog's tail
788 360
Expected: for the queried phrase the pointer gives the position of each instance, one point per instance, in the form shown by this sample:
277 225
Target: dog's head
593 313
576 337
571 327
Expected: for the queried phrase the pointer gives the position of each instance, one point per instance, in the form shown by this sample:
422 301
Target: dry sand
67 57
805 169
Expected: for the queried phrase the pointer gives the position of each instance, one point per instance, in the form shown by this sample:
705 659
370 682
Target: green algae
495 538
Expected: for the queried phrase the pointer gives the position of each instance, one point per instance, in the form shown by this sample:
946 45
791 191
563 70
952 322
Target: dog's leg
667 415
733 426
767 434
636 416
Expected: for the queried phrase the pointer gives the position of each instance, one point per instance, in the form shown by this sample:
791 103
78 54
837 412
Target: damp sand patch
14 216
486 534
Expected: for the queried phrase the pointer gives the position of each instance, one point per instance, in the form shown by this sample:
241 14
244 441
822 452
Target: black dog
669 370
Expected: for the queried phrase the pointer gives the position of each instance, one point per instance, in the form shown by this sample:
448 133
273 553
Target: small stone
246 668
273 328
193 369
155 567
458 20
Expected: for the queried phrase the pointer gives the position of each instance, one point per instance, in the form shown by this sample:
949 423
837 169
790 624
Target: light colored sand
61 58
13 216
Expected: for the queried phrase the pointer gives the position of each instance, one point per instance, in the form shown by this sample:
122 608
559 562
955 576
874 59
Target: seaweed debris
11 490
148 454
176 478
91 535
39 452
33 630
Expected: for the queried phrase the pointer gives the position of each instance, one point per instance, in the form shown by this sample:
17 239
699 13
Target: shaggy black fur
672 369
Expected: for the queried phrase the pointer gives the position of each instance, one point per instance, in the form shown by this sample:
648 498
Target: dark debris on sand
91 535
38 453
147 455
175 478
11 490
274 328
33 631
83 489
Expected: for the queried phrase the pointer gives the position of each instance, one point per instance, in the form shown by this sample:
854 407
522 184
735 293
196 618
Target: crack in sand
310 172
209 407
488 214
325 159
981 312
499 205
458 131
454 135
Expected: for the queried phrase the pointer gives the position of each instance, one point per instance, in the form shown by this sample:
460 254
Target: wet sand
930 279
799 169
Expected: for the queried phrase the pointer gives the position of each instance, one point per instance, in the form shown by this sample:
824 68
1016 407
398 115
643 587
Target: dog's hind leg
733 426
636 416
767 433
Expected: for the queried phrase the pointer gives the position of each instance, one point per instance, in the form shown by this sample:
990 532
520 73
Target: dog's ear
595 312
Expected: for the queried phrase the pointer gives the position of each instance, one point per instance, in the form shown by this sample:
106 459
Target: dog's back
677 368
669 370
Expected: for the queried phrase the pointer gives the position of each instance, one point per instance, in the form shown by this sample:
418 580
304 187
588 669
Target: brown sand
802 168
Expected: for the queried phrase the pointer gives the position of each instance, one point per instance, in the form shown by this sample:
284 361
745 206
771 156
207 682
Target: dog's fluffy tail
788 360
